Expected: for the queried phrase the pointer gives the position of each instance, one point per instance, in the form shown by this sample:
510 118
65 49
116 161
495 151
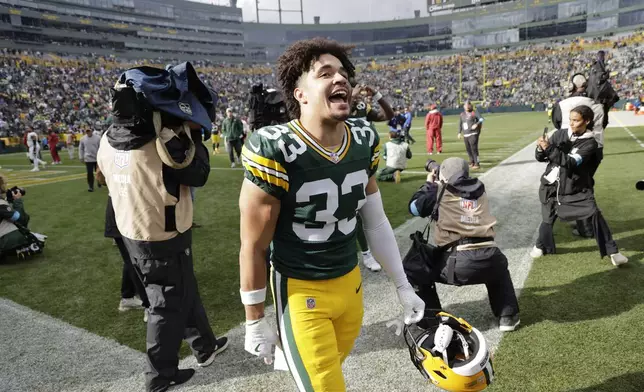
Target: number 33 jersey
320 192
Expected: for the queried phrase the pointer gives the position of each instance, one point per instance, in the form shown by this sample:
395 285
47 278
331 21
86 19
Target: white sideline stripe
621 124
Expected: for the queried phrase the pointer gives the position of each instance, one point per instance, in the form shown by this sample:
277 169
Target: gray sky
329 11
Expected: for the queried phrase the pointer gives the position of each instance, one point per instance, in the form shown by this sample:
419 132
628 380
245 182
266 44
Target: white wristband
253 297
377 97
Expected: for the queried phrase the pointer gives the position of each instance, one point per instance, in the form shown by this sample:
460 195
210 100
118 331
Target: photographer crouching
150 157
465 252
15 237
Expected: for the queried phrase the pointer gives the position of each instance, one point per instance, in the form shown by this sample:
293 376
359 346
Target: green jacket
232 128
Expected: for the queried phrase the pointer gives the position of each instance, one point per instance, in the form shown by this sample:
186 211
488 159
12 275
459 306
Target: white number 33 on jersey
334 193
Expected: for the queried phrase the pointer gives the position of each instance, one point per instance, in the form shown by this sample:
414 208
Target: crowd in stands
65 93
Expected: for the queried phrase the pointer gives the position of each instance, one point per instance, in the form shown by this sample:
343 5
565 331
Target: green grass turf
581 317
77 279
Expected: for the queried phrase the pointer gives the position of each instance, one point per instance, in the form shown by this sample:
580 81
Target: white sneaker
232 165
130 303
618 259
536 253
35 169
145 315
370 262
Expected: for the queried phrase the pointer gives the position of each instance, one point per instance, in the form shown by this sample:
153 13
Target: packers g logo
361 106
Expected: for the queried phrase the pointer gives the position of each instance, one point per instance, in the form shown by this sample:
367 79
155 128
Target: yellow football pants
319 320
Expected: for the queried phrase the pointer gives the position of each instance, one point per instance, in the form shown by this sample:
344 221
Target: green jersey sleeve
264 162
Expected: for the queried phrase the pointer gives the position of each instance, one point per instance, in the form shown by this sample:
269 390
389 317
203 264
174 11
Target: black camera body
432 165
13 190
267 107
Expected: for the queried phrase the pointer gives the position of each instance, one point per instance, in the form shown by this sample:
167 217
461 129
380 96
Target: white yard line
621 124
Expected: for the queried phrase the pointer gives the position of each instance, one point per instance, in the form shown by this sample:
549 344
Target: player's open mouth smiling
339 96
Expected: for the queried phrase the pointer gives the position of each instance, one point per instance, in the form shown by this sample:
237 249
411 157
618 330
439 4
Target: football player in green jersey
305 181
360 108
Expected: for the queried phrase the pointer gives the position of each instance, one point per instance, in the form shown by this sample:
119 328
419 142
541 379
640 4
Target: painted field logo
469 205
122 159
310 303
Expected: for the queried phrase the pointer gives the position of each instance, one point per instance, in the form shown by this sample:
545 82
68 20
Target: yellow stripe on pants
319 321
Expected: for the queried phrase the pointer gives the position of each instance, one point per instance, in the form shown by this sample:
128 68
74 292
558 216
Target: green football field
581 317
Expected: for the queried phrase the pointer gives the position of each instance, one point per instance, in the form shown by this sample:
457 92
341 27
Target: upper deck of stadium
189 30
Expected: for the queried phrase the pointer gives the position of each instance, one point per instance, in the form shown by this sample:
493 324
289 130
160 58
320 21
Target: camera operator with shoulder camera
465 252
150 157
15 237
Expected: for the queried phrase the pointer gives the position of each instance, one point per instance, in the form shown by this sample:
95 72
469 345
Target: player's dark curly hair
299 58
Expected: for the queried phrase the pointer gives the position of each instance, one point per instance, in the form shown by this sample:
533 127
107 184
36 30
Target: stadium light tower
280 10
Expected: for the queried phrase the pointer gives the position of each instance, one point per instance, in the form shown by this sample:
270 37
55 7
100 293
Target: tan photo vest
143 208
462 218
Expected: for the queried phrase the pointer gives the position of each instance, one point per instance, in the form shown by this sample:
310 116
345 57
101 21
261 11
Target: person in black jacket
566 189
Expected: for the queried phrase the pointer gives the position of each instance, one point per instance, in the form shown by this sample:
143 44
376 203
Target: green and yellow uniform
360 111
316 282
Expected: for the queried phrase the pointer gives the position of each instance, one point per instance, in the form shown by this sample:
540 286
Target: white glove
260 339
413 306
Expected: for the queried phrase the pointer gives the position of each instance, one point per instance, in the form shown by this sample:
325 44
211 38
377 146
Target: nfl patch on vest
122 158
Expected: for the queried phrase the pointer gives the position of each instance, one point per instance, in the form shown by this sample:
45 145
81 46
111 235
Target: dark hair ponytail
586 114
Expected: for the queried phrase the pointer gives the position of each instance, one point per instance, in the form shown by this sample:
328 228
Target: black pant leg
408 135
500 289
468 148
475 148
128 287
230 148
546 239
429 295
238 147
487 266
603 235
197 331
90 167
427 292
164 285
132 279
